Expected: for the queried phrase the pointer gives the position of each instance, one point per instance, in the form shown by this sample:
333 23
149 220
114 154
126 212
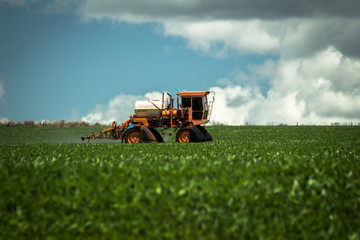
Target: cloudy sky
268 61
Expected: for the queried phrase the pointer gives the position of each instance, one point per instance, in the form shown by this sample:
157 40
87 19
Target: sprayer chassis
186 120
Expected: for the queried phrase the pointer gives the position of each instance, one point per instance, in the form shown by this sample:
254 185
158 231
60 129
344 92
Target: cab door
197 108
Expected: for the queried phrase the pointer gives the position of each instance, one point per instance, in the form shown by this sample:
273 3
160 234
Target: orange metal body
141 121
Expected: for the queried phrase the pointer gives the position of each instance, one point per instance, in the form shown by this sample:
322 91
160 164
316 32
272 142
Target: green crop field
251 182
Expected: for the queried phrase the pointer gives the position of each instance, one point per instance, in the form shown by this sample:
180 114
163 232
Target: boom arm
114 132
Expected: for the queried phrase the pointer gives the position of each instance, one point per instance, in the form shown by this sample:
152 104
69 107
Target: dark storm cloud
311 36
304 27
229 9
208 9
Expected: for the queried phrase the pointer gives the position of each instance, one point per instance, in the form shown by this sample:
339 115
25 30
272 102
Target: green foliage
249 183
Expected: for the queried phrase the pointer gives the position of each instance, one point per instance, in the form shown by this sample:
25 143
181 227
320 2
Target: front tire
183 135
133 135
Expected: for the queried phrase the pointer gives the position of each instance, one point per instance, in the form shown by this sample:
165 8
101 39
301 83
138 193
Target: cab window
186 102
197 103
197 108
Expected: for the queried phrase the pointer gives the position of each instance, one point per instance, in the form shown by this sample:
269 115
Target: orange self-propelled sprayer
186 114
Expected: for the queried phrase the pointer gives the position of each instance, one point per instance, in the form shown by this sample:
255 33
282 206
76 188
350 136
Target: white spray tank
148 108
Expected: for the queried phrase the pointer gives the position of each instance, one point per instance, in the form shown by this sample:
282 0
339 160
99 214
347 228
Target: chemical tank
151 108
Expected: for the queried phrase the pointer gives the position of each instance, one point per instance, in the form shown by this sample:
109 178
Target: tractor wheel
183 135
133 135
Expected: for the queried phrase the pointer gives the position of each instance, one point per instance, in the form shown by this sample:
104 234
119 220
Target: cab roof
193 93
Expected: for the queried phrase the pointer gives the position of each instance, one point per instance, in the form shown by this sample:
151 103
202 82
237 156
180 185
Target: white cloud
118 108
74 115
233 104
4 120
305 91
248 27
320 89
315 77
236 105
287 38
217 37
153 96
223 81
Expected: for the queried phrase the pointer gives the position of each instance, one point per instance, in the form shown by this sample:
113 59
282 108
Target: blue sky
61 60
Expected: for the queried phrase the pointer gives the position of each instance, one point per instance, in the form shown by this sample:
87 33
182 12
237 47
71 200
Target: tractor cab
195 106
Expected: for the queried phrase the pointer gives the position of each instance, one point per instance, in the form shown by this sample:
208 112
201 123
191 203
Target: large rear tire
183 135
133 135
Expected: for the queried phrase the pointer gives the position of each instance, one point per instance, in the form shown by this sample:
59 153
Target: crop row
250 182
